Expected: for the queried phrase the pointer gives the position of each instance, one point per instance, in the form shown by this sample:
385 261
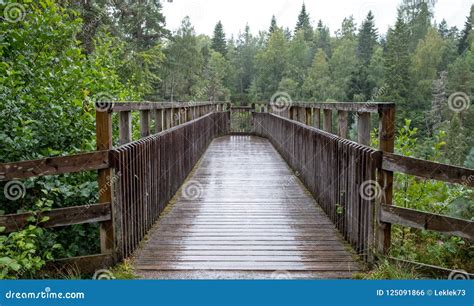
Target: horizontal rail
428 169
429 270
427 221
54 165
81 264
363 107
136 106
60 217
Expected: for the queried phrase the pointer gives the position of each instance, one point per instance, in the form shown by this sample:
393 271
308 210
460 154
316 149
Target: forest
59 57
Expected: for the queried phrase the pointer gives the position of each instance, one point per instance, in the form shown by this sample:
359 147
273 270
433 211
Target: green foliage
25 252
386 270
219 43
432 196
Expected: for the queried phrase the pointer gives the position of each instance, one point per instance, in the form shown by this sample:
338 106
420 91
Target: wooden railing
151 170
338 172
181 127
333 169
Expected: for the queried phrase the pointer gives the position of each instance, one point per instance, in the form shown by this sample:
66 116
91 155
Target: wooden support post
327 120
385 178
317 118
167 118
125 127
308 117
342 117
144 123
363 128
158 120
105 181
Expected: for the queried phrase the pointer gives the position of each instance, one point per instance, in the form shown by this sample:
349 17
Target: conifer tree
218 40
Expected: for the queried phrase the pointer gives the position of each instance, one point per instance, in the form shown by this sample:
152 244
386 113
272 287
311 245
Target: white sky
235 14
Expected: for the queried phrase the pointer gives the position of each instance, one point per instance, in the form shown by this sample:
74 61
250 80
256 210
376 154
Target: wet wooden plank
243 209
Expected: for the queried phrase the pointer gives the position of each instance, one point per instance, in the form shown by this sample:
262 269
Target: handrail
428 169
54 165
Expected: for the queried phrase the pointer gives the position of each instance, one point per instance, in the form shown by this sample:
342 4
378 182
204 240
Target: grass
388 270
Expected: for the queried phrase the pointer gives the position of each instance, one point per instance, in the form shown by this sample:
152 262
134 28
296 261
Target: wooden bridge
217 191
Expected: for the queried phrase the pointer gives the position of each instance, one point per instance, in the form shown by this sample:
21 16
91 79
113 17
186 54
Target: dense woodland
60 57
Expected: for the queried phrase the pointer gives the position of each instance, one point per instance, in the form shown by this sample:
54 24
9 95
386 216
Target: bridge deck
244 214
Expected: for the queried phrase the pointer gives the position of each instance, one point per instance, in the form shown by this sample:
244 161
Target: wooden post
104 142
317 118
363 128
144 123
385 178
125 127
167 118
308 116
327 120
158 120
342 122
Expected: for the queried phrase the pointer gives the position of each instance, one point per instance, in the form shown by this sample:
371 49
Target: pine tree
367 39
323 38
218 40
466 32
397 62
361 89
304 24
439 100
273 25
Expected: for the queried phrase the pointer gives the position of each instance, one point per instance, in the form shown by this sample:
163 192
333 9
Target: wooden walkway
244 214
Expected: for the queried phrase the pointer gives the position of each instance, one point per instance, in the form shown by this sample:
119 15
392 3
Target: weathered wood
363 128
59 217
139 106
125 127
82 264
54 165
316 118
372 107
342 122
427 221
327 124
152 170
384 177
104 142
144 123
158 120
429 270
308 117
270 223
428 169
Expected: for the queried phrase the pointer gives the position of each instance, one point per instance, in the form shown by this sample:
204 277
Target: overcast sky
257 13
